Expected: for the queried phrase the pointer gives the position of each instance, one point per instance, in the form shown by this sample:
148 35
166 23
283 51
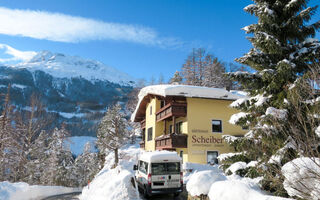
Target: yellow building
187 119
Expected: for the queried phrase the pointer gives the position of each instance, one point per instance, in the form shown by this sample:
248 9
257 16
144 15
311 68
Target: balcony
142 145
143 124
170 110
171 141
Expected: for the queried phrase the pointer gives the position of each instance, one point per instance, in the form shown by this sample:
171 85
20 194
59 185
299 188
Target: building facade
187 119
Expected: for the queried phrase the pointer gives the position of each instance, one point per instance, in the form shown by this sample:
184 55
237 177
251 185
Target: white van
159 172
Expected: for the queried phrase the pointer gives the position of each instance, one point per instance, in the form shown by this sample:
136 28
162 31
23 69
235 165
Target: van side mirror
135 167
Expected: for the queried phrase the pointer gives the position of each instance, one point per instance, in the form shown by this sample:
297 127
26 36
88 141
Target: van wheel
145 192
176 194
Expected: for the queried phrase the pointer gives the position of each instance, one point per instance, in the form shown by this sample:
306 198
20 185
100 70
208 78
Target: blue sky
144 38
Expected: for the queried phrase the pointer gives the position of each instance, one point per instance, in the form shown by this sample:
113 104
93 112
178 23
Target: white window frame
221 125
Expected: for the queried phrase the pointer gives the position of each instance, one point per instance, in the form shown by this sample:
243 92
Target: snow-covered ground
77 143
211 181
24 191
115 184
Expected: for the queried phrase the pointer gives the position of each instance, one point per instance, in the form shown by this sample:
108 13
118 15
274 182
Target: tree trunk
116 158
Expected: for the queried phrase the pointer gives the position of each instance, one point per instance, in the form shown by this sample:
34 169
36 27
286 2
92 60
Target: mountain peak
65 66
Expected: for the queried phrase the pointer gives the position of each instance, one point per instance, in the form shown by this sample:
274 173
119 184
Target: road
74 196
67 196
182 196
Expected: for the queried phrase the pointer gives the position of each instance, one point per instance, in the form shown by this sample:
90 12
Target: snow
224 156
277 113
185 91
236 117
213 182
229 138
71 115
18 86
269 11
317 131
260 99
24 191
115 184
302 177
236 166
77 143
247 8
191 168
239 189
238 102
160 156
200 182
63 66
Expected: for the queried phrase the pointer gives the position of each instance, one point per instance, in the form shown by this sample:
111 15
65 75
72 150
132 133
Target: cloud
66 28
16 55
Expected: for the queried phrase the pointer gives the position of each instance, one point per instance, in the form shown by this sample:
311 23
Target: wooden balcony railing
143 124
172 109
142 144
171 141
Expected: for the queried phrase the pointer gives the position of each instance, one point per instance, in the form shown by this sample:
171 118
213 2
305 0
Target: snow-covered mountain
63 66
75 90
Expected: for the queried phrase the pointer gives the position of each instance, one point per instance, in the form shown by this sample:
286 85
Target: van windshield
165 168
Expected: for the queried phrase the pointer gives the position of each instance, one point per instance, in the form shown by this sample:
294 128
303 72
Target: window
150 110
149 134
212 157
245 128
143 167
170 129
165 168
162 103
179 127
217 126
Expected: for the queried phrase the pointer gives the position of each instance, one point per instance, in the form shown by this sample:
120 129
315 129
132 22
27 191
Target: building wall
200 136
198 126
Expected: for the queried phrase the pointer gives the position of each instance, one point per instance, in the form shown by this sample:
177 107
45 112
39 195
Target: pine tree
86 165
59 161
38 153
282 50
112 132
176 79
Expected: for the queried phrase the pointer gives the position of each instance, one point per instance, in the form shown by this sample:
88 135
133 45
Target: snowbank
302 177
212 181
238 189
185 91
115 184
24 191
190 168
200 182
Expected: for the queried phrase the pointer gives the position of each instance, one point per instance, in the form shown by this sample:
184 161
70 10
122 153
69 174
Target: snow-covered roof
160 156
186 91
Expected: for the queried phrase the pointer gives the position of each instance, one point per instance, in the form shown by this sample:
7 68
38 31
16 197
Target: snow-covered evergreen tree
176 79
59 161
86 165
283 49
112 132
38 153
